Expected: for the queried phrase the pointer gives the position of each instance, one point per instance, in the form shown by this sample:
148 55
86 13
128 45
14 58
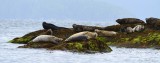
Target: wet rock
38 45
88 46
129 21
91 46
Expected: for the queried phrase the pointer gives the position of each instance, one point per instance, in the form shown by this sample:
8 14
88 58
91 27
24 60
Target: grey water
9 53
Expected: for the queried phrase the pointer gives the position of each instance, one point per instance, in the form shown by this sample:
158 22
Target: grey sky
96 10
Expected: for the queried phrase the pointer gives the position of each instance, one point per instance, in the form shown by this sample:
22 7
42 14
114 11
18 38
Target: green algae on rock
28 37
145 39
64 33
90 46
21 40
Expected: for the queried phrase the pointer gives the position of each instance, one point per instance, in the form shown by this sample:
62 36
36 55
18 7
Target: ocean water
9 53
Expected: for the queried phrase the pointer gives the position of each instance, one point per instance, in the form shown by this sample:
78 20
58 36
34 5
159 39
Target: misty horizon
89 10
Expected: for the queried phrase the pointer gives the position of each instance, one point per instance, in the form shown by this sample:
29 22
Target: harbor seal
129 21
129 30
152 20
80 28
48 32
153 23
51 26
138 28
47 38
82 36
105 33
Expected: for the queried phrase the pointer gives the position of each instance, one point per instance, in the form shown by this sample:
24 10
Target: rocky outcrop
89 46
129 21
63 33
148 38
28 37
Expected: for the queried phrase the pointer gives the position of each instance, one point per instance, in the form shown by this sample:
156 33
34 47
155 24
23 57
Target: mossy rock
62 33
146 39
27 37
21 40
90 46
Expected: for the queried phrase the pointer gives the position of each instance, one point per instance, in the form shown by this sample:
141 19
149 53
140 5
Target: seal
129 21
105 33
48 32
138 28
153 23
81 36
80 28
47 38
152 20
129 30
51 26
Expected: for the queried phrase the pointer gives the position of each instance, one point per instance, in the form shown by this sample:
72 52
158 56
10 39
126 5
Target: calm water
9 53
